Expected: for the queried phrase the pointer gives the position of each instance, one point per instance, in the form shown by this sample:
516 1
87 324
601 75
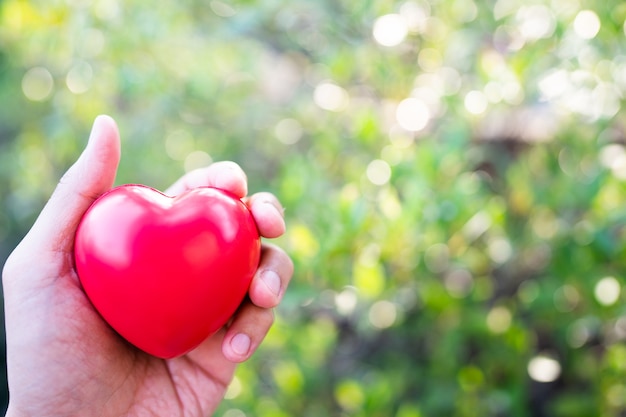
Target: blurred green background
453 174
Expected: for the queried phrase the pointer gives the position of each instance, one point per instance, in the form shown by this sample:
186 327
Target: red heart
166 272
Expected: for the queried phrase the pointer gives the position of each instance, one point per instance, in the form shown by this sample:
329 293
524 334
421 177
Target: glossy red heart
166 272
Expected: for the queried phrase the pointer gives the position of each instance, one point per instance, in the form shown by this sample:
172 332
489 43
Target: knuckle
289 263
284 259
268 317
279 259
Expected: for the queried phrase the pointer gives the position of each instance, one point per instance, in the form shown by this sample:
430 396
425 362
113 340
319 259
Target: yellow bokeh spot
349 394
616 358
288 377
302 241
368 278
389 203
610 197
521 200
20 15
16 13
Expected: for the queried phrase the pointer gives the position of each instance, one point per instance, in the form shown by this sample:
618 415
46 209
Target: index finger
225 175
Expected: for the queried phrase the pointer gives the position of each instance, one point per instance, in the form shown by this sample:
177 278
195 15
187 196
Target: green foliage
455 200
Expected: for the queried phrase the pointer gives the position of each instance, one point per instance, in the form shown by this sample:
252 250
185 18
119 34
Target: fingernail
240 344
280 211
272 281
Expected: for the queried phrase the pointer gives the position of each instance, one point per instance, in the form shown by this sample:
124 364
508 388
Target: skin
64 360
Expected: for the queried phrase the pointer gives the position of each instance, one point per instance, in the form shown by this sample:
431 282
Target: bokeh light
346 301
332 97
378 172
413 114
288 131
476 102
535 22
415 15
543 368
499 319
587 24
37 84
197 159
607 291
382 314
459 283
79 78
390 29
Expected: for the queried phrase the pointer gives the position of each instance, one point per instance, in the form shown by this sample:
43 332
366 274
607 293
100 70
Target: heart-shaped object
166 272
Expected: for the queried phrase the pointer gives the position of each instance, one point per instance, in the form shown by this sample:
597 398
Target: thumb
90 176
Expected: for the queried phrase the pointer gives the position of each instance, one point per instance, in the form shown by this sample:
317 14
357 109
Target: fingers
90 176
246 332
255 316
268 214
271 278
225 175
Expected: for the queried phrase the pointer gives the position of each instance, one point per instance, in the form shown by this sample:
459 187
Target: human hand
64 360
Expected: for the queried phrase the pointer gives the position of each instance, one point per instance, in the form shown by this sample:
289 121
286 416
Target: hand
64 360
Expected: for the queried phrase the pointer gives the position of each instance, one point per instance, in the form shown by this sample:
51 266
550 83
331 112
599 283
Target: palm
100 369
